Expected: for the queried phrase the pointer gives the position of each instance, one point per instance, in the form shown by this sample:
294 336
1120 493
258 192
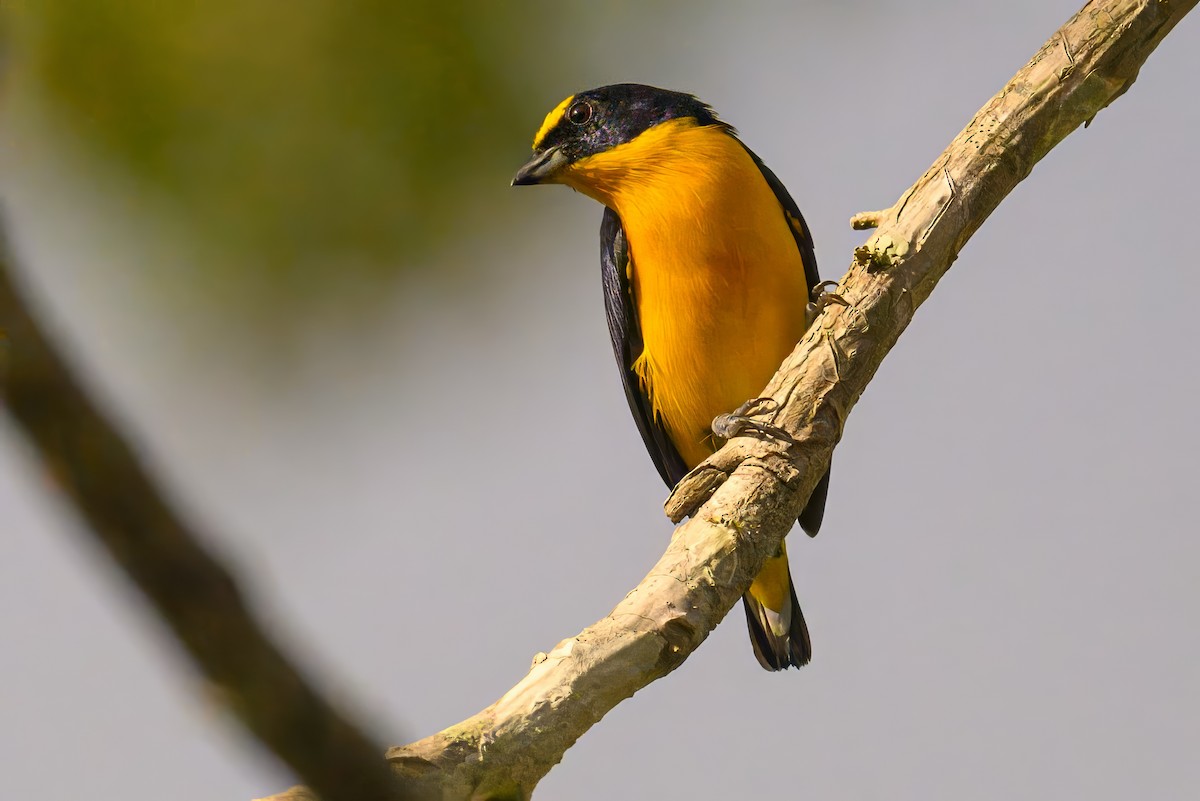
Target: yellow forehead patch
551 120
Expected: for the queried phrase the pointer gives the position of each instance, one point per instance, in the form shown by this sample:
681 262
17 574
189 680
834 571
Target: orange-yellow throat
717 278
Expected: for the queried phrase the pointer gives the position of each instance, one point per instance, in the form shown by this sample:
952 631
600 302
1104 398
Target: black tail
775 652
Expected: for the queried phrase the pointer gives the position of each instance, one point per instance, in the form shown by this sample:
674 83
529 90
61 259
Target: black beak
541 168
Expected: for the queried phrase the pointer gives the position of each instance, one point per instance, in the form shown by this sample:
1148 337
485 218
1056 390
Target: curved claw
819 291
820 299
756 406
739 422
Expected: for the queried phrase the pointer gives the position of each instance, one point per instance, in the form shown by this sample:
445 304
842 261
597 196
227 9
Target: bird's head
592 138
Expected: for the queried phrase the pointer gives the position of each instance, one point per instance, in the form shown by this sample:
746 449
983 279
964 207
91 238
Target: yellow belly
712 341
718 283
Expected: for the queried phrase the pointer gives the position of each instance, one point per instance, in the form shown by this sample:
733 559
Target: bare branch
132 518
746 497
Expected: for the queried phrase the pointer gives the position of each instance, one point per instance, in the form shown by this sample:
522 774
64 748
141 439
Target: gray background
1003 599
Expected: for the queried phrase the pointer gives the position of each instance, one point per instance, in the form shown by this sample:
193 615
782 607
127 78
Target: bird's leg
819 299
738 422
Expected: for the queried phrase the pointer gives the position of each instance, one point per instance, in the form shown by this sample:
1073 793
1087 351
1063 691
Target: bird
707 269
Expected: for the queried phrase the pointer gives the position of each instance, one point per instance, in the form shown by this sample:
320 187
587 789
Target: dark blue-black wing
814 511
626 336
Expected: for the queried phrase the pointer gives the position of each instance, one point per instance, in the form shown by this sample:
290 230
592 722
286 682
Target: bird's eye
579 113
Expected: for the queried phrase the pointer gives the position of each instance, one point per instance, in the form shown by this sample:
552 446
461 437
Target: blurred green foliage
305 138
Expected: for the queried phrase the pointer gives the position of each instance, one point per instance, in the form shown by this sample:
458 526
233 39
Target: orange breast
718 283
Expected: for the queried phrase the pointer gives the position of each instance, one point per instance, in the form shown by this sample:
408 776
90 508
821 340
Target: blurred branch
130 516
743 500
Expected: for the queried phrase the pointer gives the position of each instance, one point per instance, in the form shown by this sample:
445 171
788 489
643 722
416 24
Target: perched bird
707 270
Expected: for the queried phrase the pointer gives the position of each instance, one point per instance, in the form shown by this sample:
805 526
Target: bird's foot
740 421
820 298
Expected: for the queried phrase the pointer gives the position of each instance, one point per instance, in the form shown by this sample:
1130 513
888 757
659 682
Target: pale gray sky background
1004 597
